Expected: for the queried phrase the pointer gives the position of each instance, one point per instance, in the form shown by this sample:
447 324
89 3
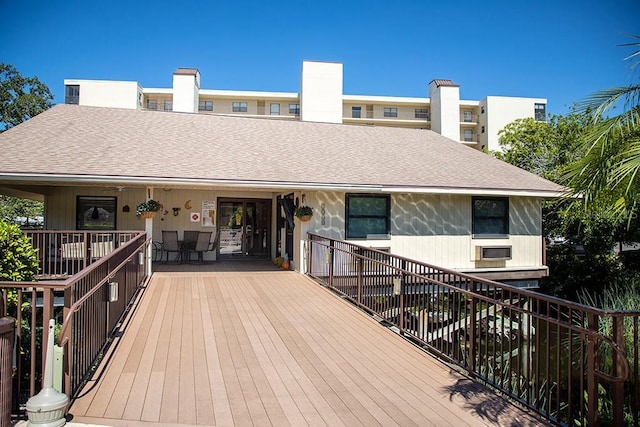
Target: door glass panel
231 229
245 228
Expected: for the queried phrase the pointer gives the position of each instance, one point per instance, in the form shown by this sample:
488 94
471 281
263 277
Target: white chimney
186 89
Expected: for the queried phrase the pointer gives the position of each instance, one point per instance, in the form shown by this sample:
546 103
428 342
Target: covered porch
243 343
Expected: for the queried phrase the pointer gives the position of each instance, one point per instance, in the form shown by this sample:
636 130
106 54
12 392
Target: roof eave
274 185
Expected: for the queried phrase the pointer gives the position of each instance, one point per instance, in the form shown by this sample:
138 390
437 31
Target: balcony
406 116
468 118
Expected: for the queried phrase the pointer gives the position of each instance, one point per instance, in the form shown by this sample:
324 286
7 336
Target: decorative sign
195 216
208 213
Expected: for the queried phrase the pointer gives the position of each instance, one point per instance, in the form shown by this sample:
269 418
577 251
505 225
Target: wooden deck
241 345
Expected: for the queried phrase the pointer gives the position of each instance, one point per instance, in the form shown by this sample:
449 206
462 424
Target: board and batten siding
437 229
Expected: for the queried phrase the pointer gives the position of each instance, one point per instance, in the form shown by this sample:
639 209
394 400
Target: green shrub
18 259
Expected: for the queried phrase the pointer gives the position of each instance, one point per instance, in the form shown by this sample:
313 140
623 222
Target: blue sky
559 50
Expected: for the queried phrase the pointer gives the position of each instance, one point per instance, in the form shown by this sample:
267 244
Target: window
274 109
356 112
540 112
152 104
205 105
482 129
468 135
482 110
168 105
467 116
367 214
96 213
490 216
422 113
239 107
72 94
294 109
390 112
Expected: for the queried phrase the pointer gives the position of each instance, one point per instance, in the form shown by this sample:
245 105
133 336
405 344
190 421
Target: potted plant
148 209
304 212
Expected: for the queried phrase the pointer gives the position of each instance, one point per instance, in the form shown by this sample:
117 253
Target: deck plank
261 347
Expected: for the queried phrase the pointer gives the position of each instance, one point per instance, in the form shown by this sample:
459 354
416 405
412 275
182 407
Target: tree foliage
20 97
18 260
609 171
12 208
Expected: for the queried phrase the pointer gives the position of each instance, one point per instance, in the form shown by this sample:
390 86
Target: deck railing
573 364
96 267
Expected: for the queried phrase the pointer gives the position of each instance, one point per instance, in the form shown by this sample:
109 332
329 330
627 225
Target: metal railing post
474 329
7 337
360 267
401 303
592 382
618 386
331 263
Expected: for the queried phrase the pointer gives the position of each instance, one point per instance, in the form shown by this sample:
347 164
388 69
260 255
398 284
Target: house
413 192
475 123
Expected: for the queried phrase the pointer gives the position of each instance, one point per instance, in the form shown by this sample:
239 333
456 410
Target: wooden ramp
242 348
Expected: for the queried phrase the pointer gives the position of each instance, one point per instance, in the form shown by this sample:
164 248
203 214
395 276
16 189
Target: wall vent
493 253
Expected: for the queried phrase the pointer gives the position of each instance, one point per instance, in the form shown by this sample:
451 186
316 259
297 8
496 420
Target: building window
72 94
422 113
367 214
152 104
294 109
96 213
467 116
490 216
390 112
274 109
205 105
239 107
468 135
482 110
168 105
540 112
482 129
356 112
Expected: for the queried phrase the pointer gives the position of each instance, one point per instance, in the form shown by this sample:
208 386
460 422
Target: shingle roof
110 142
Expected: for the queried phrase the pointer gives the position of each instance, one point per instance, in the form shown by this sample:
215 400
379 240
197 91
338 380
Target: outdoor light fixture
140 258
113 291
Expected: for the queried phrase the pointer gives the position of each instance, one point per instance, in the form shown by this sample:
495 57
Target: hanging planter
304 213
148 209
146 215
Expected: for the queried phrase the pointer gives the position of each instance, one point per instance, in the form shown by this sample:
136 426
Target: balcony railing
400 115
92 264
468 118
573 364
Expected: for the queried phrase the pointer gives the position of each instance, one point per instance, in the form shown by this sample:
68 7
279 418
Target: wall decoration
96 213
187 204
209 213
195 216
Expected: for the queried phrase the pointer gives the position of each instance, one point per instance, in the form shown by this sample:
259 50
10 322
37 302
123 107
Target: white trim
394 99
163 182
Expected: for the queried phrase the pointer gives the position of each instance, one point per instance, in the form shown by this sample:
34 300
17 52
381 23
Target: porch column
148 228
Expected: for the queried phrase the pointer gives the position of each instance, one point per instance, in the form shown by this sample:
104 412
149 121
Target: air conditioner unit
493 253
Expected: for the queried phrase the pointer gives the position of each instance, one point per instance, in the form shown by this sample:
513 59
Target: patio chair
170 244
204 244
190 239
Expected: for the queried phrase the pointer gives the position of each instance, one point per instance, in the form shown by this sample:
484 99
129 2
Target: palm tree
608 173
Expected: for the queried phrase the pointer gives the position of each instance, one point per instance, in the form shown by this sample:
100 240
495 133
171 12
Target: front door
245 228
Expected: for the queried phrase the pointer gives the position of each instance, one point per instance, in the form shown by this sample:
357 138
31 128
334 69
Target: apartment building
475 123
